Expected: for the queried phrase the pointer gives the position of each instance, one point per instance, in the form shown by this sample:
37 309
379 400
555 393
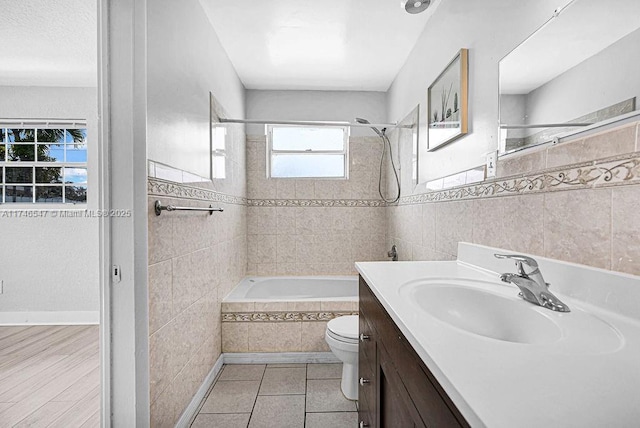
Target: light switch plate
491 164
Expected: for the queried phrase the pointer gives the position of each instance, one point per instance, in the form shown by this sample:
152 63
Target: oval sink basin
463 305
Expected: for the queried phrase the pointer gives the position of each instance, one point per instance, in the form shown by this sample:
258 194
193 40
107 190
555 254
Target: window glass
303 139
307 166
307 152
49 194
43 165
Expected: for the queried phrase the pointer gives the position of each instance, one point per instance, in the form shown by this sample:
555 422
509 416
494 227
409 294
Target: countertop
588 382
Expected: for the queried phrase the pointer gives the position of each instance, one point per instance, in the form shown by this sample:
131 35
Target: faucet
532 286
393 253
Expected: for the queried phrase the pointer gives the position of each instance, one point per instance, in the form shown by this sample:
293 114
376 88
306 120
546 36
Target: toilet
342 337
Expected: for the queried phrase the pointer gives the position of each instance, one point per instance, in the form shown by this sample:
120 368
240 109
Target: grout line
306 390
257 394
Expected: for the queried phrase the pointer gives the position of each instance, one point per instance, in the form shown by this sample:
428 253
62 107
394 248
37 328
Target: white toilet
342 337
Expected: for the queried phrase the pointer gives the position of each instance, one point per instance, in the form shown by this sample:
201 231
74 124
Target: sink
482 308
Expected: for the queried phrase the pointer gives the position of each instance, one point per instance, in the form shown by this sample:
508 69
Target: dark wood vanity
397 389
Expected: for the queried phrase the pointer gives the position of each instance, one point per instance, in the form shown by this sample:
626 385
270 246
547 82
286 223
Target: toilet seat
344 328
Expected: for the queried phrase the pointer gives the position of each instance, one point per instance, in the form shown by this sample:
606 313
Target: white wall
489 29
316 105
50 265
185 62
605 79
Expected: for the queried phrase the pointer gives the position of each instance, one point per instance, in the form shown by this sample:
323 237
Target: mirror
578 70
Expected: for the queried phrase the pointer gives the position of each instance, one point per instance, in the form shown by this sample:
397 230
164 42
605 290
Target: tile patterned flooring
277 395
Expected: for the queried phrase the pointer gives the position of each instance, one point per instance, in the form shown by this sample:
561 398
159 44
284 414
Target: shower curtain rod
312 123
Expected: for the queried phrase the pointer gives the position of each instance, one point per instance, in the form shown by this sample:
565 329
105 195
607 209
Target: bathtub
295 288
285 314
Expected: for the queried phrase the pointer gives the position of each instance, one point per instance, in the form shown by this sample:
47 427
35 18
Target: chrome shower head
366 122
416 6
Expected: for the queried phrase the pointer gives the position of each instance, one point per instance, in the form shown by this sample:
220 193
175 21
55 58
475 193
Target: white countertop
576 381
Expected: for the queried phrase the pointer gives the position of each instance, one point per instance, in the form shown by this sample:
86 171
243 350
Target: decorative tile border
619 170
157 187
316 203
282 316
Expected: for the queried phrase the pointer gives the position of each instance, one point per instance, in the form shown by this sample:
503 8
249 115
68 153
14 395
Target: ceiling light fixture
415 6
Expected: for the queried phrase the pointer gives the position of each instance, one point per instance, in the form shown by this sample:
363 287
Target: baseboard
49 318
192 409
279 358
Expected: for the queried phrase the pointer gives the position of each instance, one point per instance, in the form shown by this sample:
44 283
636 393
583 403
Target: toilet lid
345 326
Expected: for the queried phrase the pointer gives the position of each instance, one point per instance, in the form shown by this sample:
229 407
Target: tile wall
194 261
314 227
576 201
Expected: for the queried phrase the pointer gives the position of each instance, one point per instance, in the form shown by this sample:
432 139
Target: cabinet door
396 407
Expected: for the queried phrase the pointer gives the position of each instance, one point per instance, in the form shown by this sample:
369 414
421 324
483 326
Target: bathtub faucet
393 253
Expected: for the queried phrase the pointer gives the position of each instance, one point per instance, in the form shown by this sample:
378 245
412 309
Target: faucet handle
520 259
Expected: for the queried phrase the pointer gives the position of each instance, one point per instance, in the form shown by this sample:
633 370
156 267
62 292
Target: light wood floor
49 376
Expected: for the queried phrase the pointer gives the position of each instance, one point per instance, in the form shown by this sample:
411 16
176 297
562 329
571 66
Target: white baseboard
279 358
248 358
193 407
50 318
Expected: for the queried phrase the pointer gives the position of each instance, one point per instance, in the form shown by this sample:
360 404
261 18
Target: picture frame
447 103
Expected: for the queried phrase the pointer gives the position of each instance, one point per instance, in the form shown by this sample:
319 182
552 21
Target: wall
489 29
576 201
194 258
342 106
308 227
184 66
50 267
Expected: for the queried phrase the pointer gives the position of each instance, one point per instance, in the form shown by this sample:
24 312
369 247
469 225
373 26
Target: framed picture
447 103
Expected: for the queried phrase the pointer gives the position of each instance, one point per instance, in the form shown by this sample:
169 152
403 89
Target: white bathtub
295 288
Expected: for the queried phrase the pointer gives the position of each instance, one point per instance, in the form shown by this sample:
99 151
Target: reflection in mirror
579 69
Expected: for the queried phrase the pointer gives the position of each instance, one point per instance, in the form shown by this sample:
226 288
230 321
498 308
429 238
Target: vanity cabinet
397 389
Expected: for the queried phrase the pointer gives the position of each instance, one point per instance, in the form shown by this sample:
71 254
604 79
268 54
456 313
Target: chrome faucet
532 286
393 253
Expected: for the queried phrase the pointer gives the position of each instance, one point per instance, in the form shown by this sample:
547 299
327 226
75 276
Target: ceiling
48 43
317 44
583 28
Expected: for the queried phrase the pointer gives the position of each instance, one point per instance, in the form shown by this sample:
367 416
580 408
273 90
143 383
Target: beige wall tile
275 337
285 221
160 233
270 306
285 249
256 156
285 189
259 186
420 253
261 220
516 164
337 306
192 276
609 143
303 306
228 307
261 249
577 226
160 295
513 223
313 337
235 336
625 245
305 189
453 224
162 367
165 411
428 226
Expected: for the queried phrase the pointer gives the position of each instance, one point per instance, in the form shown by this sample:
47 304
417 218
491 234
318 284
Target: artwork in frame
447 102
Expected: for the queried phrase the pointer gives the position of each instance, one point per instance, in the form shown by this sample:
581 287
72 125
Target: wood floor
49 376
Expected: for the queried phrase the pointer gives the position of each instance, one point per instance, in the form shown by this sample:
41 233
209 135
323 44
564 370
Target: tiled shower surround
194 260
314 227
577 201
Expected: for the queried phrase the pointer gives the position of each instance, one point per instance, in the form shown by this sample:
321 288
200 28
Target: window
307 152
43 165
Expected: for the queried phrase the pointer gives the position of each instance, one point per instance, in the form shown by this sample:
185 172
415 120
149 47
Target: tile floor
277 395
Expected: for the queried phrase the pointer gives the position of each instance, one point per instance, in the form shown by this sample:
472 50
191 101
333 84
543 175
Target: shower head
366 122
416 6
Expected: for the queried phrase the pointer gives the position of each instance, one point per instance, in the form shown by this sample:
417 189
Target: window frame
33 184
270 151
